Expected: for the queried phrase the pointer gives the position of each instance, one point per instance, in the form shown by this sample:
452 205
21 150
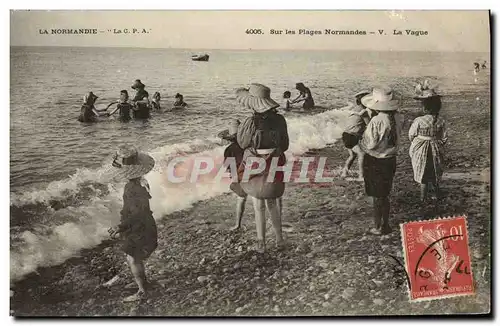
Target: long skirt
426 159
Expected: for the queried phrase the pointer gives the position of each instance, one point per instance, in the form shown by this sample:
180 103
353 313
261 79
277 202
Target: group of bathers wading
139 108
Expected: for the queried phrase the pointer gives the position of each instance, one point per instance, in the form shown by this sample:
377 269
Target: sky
447 30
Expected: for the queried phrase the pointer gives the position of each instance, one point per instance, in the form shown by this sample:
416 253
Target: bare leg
260 223
361 158
109 283
284 223
273 208
377 208
112 281
424 188
385 208
280 206
381 207
348 163
437 190
137 269
240 209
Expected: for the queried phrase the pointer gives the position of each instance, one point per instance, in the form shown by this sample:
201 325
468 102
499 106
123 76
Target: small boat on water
198 57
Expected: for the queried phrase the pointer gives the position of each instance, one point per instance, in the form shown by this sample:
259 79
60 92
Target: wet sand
331 266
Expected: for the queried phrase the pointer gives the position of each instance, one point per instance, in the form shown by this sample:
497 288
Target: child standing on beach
380 143
137 229
355 126
428 137
235 151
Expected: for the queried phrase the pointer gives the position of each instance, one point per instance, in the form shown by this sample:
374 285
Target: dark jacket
137 226
263 131
143 109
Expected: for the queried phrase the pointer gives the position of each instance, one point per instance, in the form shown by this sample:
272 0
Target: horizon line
237 49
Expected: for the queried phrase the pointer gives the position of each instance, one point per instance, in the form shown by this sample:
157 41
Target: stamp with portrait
437 258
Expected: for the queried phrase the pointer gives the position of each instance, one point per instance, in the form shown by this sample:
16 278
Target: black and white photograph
250 163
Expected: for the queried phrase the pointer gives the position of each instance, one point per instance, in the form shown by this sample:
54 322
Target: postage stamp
437 258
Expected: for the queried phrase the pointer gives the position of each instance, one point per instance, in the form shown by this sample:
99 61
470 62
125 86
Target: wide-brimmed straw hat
426 94
128 163
381 99
257 97
137 84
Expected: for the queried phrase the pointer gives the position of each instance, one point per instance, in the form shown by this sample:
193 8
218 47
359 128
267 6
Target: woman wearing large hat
137 228
142 105
380 143
263 135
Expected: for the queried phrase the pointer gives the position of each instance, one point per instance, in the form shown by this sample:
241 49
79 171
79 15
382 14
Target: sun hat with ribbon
128 163
138 84
426 94
381 99
257 97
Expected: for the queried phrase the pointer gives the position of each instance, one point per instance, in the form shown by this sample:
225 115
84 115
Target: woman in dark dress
304 96
142 105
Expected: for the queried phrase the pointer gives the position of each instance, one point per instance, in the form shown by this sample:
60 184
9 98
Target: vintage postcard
250 163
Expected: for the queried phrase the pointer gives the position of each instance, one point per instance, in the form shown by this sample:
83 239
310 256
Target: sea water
61 198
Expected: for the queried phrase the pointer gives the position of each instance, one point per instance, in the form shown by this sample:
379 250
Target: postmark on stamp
437 258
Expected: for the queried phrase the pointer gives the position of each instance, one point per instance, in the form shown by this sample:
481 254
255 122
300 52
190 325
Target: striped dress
425 136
